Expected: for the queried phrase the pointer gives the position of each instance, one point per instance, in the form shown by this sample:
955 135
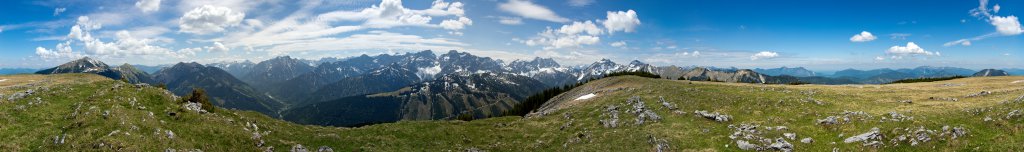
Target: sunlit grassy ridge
90 113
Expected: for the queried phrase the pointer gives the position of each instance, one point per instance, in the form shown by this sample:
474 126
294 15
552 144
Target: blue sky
820 35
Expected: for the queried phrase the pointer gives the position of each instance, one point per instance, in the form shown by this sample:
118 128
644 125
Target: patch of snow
585 97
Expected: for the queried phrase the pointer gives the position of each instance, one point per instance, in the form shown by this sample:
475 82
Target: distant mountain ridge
797 71
237 69
17 70
89 65
885 75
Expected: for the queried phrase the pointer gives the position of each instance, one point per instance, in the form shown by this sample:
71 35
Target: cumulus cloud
864 36
217 47
579 33
148 6
910 49
528 9
57 11
618 44
571 35
764 55
1008 25
63 51
462 22
124 44
1005 25
510 20
209 19
580 3
621 21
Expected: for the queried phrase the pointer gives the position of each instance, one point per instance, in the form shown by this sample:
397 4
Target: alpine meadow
511 75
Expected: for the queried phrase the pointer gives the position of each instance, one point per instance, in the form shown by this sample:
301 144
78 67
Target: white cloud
217 47
864 36
908 50
964 42
462 22
510 20
373 40
1008 25
63 51
575 28
148 6
618 44
572 35
621 21
578 33
303 26
528 9
124 44
982 10
764 55
580 3
209 19
879 58
1005 26
57 11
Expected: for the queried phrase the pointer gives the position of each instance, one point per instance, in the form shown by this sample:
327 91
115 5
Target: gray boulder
324 149
299 148
874 134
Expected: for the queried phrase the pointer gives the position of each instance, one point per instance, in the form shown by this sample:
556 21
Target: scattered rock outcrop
869 137
299 148
982 93
749 137
641 111
713 116
612 117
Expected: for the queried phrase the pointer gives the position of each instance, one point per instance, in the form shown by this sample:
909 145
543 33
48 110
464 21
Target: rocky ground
87 112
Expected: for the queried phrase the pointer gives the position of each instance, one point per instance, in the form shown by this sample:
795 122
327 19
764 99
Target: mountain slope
85 112
705 74
132 74
224 89
381 80
990 73
478 94
89 65
299 88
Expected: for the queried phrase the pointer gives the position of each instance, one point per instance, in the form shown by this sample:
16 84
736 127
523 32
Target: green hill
84 112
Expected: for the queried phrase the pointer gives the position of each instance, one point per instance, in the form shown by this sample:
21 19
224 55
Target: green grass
34 127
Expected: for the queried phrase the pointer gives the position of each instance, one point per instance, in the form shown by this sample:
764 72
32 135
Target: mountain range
423 85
